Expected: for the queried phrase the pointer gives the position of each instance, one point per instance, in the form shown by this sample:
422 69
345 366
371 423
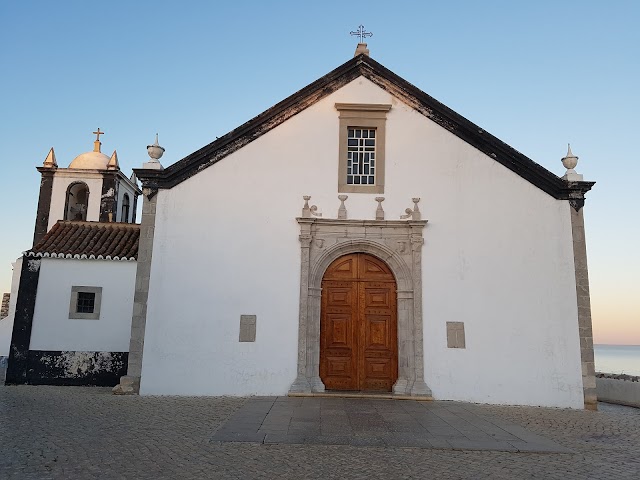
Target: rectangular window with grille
361 156
361 147
86 302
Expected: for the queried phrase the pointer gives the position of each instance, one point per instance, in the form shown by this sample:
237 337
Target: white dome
90 161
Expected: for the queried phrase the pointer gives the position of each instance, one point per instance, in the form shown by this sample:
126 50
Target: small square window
85 302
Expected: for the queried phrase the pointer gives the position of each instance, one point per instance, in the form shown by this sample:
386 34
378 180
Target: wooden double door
358 325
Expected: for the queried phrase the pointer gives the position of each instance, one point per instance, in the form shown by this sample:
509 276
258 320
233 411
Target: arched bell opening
126 206
77 202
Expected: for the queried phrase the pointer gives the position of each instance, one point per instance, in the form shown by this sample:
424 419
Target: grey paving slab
371 422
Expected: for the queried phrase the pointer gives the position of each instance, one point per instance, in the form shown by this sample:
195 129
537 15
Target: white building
359 235
72 292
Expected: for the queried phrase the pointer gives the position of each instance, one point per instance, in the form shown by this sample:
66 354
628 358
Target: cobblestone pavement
84 433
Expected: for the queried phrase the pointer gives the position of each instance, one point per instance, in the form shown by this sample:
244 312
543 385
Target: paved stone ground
377 423
84 433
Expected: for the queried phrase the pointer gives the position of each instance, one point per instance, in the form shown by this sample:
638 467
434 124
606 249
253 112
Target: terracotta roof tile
90 239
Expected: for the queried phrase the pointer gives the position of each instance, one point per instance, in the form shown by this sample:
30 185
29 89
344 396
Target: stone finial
570 161
413 213
416 211
155 151
342 211
361 49
379 210
50 161
113 162
133 178
308 211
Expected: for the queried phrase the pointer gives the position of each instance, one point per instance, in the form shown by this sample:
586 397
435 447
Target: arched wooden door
358 325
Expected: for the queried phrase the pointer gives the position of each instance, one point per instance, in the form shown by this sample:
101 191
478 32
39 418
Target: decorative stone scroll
415 213
396 242
308 211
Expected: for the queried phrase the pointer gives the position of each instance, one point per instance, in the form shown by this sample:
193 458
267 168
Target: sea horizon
617 359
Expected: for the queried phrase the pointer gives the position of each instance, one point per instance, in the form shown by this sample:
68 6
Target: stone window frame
362 115
73 303
396 242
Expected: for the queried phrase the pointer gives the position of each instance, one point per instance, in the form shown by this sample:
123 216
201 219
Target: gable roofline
365 66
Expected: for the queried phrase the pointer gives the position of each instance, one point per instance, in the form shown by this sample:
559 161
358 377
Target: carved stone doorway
398 244
358 325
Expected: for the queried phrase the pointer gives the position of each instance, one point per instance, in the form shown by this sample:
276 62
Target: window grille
361 156
86 302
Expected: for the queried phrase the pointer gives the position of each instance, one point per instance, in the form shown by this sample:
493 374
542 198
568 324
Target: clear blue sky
535 74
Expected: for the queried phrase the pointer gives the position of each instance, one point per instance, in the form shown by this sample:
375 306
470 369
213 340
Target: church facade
361 236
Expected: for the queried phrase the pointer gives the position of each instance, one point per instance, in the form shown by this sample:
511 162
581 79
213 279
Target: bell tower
91 189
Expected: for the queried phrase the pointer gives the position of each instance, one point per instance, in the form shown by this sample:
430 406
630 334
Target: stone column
419 386
301 383
44 205
584 309
130 384
313 340
406 372
108 199
23 321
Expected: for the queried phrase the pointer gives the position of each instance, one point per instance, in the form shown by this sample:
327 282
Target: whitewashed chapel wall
53 329
497 256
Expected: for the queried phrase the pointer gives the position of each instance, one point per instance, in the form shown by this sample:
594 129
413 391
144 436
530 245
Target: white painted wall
618 391
54 330
61 181
498 256
6 324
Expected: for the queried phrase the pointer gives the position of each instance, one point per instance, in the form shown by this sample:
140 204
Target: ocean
617 359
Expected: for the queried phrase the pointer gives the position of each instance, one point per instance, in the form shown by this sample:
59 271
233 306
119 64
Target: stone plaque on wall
455 335
248 328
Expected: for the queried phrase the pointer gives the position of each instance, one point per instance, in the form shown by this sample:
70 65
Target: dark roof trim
397 86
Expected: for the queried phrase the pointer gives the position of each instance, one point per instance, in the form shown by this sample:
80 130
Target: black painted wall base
102 369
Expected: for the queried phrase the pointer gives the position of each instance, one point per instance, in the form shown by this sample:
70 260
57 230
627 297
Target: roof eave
389 81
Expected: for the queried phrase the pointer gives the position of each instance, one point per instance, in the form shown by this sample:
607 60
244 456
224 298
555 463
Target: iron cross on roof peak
96 143
362 33
97 134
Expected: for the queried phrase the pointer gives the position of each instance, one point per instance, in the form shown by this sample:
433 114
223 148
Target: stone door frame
398 243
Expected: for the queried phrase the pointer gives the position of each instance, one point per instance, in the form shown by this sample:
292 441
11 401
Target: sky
535 74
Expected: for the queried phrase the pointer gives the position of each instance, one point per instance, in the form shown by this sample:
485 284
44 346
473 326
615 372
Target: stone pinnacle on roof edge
155 152
361 49
570 161
50 161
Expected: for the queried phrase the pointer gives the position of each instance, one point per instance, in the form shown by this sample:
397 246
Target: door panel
379 340
338 335
358 326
